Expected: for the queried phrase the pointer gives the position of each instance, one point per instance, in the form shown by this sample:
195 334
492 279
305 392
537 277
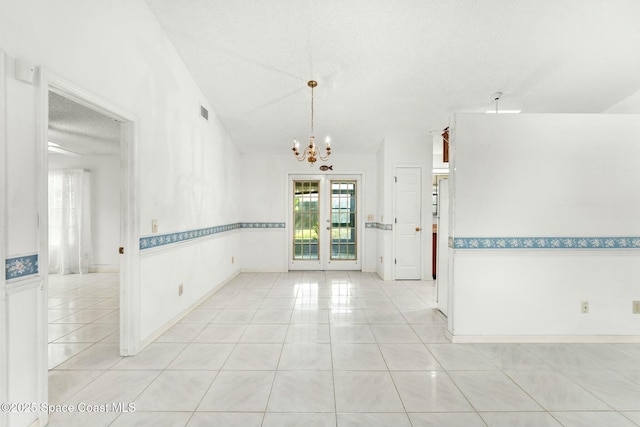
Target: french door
324 213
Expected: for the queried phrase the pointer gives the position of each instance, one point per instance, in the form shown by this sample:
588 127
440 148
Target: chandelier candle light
311 152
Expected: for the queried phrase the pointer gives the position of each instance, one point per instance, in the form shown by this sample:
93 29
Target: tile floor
319 349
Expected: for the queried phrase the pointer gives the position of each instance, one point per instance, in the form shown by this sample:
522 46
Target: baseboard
263 270
151 338
104 268
544 339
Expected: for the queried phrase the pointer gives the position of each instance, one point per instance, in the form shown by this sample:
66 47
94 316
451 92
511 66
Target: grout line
355 281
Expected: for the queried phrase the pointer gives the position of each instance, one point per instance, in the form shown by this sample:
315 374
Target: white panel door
408 230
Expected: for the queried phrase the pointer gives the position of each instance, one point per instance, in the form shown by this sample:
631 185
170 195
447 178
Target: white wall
264 199
536 175
21 239
628 105
188 168
395 151
105 206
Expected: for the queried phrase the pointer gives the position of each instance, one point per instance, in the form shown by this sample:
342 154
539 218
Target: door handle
417 228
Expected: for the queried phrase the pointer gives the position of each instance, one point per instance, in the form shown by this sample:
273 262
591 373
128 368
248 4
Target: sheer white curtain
69 221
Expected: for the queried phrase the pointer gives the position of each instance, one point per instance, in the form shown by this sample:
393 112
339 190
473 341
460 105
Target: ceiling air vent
204 113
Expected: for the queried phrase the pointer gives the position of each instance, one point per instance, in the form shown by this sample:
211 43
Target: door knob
417 228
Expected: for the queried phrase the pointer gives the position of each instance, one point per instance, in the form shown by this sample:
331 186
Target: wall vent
204 113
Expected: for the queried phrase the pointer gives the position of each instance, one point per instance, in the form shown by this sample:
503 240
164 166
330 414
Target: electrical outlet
584 307
233 259
381 260
154 225
180 289
636 307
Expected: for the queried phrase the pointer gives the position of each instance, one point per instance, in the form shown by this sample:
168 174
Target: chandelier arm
324 158
302 157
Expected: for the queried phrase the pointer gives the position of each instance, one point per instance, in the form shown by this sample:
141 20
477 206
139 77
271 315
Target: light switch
154 225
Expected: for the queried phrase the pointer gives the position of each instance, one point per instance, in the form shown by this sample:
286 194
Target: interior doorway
325 213
126 340
83 208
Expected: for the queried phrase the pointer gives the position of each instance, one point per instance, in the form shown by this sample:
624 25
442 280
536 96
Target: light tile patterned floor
319 349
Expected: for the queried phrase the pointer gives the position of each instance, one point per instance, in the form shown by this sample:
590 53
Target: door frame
324 264
4 344
129 224
424 219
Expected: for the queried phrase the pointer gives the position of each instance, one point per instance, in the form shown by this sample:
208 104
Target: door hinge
395 220
395 261
395 179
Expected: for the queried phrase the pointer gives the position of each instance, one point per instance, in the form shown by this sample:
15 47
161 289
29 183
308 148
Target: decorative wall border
262 225
545 242
21 266
385 227
154 241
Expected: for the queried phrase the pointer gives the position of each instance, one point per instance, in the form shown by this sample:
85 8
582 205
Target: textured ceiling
399 67
81 130
384 68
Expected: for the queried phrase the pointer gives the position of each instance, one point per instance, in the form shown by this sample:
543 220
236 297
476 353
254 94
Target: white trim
25 284
129 268
544 339
4 333
42 190
129 227
324 179
130 296
263 270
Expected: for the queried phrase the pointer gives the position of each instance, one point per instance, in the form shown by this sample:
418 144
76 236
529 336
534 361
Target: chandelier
311 153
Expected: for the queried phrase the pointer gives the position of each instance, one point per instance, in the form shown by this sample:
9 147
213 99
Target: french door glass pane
306 220
343 220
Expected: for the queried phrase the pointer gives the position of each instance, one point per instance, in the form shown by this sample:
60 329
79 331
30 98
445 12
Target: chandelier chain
310 152
312 110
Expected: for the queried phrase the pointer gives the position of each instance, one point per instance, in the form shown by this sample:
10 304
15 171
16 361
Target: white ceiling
398 67
81 130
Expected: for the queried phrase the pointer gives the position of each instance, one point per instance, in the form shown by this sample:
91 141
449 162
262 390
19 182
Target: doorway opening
326 222
107 314
84 227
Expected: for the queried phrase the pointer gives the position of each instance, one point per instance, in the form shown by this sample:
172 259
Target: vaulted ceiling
399 67
384 68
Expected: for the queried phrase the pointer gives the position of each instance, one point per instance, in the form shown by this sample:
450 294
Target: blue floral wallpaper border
154 241
262 225
386 227
21 266
545 242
